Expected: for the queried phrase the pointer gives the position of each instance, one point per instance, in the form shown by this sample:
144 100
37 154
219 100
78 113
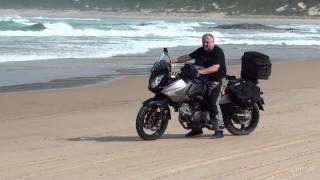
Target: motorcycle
185 93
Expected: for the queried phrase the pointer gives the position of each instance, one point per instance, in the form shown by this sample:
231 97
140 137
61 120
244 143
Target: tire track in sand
265 148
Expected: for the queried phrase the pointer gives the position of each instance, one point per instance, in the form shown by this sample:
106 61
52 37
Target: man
211 58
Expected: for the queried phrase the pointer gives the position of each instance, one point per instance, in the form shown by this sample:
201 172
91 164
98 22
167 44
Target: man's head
208 42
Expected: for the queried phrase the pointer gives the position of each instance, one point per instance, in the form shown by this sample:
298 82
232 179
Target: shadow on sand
133 138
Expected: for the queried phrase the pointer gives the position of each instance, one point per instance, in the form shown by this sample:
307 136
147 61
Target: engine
185 110
188 113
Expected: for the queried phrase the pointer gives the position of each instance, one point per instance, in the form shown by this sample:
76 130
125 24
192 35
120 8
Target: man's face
208 43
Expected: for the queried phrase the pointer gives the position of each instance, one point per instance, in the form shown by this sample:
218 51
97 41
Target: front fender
158 101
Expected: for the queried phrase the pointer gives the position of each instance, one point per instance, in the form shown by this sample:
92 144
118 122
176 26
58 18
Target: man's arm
212 69
181 59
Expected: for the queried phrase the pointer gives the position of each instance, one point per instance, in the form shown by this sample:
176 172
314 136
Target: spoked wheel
152 121
243 122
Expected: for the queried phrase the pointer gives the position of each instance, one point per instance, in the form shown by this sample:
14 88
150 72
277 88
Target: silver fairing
177 90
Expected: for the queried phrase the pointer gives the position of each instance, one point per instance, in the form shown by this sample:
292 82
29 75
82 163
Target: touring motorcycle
184 91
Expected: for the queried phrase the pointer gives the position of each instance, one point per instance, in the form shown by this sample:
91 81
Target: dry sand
89 133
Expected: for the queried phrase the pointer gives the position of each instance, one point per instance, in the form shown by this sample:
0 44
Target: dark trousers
213 97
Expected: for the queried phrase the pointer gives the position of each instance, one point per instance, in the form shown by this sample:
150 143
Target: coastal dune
89 133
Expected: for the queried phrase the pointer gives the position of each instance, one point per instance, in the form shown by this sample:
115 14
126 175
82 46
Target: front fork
260 103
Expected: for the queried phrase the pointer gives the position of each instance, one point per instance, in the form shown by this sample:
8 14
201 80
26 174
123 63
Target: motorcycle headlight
156 81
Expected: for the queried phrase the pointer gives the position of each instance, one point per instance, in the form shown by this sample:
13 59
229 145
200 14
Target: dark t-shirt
206 59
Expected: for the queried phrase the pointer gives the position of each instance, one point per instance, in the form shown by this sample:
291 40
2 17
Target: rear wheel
152 121
242 121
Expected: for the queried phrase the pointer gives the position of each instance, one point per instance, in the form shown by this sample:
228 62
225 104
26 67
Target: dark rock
246 26
251 26
35 27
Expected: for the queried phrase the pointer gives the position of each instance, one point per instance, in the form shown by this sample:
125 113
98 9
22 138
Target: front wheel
152 121
242 121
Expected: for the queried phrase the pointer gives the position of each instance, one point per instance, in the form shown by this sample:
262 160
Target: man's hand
173 61
200 72
198 75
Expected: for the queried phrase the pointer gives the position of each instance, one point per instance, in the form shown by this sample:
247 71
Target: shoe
217 135
194 132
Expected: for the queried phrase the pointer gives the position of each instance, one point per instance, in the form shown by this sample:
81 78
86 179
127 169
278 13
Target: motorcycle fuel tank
177 90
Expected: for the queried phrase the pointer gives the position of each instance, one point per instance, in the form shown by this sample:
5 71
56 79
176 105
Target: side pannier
244 93
255 66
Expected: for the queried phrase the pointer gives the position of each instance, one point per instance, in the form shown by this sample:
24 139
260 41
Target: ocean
52 52
43 38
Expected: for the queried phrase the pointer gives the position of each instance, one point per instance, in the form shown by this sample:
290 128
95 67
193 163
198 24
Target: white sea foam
65 29
208 23
102 51
99 38
17 19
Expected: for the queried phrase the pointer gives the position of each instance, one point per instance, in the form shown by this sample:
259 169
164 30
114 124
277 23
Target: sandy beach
89 133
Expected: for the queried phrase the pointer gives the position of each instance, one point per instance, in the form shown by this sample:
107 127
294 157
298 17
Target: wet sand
89 133
67 73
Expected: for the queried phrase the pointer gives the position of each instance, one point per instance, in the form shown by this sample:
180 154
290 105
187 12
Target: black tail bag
255 65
